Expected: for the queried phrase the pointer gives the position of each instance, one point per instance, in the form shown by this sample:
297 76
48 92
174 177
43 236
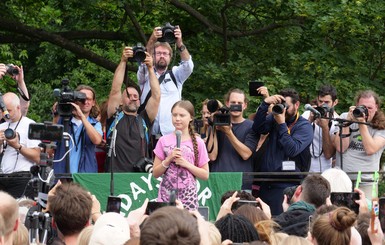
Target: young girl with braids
180 166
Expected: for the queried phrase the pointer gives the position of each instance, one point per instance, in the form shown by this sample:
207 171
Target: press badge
288 166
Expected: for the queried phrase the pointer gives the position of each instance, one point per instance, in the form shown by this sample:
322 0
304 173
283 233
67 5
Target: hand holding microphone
316 113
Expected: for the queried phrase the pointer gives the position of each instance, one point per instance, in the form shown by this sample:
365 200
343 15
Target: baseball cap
110 229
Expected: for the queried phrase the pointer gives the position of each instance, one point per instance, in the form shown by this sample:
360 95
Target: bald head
9 210
12 102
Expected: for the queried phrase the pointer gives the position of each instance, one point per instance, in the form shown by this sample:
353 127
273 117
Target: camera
167 33
360 111
346 199
222 116
67 95
139 53
12 70
145 165
198 123
45 131
323 110
278 108
113 204
9 133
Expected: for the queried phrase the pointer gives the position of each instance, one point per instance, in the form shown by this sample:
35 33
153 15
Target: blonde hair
85 235
295 240
21 236
214 234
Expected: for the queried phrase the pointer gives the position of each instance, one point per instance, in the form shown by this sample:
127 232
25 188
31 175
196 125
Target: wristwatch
182 48
19 149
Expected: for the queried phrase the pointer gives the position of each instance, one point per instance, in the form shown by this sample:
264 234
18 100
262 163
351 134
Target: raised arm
154 101
115 97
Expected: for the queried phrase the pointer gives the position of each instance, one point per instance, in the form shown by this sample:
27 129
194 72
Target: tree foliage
294 43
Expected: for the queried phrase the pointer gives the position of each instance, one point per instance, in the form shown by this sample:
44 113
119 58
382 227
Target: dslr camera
145 165
67 95
278 108
167 33
324 110
12 70
360 111
139 53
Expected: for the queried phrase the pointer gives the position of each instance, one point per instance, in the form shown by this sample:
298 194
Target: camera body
323 110
279 108
360 111
139 53
12 70
145 165
66 95
167 33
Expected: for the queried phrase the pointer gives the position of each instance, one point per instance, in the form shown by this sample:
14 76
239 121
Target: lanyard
292 125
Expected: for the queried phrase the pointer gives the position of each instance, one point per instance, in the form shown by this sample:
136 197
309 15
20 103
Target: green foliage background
292 43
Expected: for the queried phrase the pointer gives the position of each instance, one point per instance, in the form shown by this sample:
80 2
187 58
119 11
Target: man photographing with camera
171 80
364 142
18 152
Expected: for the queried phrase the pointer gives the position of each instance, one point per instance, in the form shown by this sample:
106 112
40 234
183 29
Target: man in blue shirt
290 136
86 132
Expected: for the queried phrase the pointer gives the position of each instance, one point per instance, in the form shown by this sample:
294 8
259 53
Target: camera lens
12 70
9 133
278 108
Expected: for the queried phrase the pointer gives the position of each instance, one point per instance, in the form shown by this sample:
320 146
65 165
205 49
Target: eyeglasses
162 53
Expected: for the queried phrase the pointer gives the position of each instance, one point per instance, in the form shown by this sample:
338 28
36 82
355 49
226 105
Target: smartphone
289 192
152 206
45 132
381 213
235 107
113 204
240 203
204 211
346 199
253 86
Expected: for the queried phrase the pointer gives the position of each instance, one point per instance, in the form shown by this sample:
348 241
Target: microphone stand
111 148
340 124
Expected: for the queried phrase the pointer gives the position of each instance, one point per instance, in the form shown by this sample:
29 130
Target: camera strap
161 78
22 94
143 130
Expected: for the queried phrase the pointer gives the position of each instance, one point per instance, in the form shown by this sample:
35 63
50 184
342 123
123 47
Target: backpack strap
161 78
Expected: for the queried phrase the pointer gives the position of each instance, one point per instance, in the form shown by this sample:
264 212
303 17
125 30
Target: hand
265 207
350 113
225 129
280 118
226 206
274 99
285 205
77 111
3 70
178 36
126 54
180 161
377 235
156 33
136 217
263 91
362 202
95 204
148 61
179 204
20 77
52 192
15 142
323 123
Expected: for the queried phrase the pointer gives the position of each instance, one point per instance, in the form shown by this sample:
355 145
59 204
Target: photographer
132 137
19 153
86 132
362 144
17 73
288 145
234 144
171 81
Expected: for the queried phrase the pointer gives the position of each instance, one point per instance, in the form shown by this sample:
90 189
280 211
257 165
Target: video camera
222 115
139 53
168 33
67 95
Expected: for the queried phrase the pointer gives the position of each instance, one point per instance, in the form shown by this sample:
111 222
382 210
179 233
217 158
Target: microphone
178 134
3 107
308 107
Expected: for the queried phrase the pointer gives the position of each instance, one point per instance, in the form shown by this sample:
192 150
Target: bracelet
166 167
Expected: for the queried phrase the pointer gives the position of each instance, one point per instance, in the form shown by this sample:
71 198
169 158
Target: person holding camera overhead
233 143
288 147
132 128
18 152
86 132
362 144
171 80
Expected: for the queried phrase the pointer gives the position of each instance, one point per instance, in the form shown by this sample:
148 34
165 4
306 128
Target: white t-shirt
13 161
318 161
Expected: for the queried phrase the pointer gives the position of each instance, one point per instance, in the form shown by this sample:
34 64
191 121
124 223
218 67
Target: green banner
134 188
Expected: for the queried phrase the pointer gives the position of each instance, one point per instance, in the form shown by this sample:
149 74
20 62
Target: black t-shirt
129 145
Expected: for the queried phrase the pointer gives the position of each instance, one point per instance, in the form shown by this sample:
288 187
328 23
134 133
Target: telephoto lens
9 133
278 108
360 111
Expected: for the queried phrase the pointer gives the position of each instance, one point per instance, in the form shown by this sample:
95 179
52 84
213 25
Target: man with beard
290 136
86 132
132 137
171 81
